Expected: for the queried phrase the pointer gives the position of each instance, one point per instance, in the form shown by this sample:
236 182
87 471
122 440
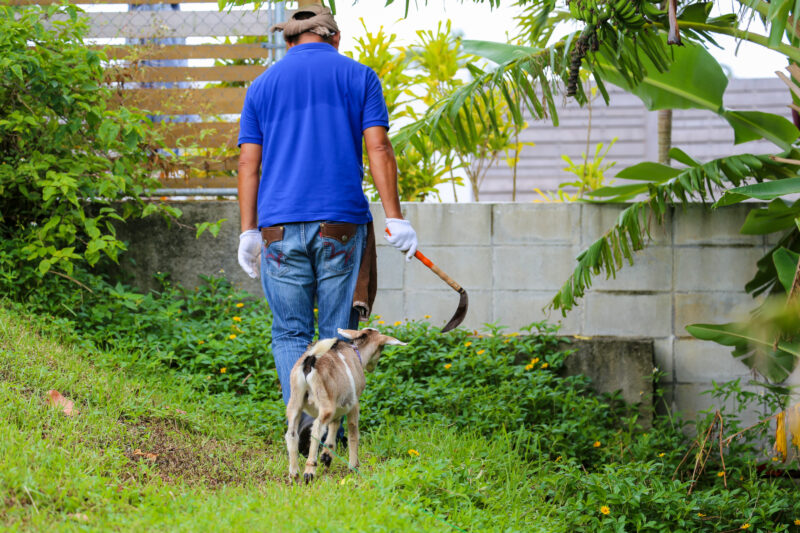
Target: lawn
179 428
143 454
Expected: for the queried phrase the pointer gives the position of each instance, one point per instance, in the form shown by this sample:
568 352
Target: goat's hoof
308 478
326 459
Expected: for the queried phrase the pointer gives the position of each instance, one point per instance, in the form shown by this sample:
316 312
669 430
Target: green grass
88 471
497 445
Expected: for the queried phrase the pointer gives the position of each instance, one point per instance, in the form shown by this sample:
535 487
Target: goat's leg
330 442
316 434
294 411
352 436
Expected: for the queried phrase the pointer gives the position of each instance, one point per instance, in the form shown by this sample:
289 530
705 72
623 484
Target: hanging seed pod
578 53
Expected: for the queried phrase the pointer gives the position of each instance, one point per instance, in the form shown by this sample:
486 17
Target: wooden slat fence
193 92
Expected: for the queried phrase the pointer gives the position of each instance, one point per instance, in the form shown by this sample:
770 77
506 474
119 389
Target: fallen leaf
146 455
180 411
56 399
80 517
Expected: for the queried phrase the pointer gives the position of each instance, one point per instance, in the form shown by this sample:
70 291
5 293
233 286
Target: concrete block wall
512 258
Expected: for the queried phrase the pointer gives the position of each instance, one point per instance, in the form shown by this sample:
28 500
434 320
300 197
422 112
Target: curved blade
460 313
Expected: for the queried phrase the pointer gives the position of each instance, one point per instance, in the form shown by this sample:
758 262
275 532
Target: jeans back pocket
339 240
272 237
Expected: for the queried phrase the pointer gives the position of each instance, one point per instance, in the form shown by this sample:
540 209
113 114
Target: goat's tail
308 363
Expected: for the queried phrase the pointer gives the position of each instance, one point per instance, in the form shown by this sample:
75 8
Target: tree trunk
664 135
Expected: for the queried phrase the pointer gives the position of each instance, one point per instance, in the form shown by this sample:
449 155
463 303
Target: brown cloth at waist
367 283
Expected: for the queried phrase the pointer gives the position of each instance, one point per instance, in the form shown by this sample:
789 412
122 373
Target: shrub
71 162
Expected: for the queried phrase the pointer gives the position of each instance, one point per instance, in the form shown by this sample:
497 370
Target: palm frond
631 232
531 78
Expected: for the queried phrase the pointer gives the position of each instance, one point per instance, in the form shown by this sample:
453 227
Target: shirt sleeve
375 112
249 127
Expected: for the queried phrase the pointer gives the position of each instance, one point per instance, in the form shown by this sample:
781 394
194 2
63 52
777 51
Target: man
305 218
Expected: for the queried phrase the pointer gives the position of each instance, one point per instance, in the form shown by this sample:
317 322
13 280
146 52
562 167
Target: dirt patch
176 454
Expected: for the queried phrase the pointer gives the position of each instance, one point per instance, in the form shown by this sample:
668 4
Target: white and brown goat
327 382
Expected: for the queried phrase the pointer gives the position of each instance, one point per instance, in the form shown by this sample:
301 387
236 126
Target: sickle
463 301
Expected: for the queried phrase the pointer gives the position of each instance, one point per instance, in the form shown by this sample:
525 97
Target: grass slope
205 472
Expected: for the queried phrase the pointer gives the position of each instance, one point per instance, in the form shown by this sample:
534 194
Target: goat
326 382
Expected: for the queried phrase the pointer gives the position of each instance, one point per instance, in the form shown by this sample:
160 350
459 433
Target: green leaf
108 131
786 266
754 351
618 190
776 217
44 266
648 171
694 80
17 70
767 190
696 12
753 125
498 52
682 157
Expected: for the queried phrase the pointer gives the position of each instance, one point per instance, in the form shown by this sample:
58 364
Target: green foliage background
71 162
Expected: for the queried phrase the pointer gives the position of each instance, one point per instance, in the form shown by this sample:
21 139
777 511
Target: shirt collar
311 47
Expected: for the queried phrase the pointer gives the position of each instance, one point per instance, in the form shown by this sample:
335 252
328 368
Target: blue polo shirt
308 112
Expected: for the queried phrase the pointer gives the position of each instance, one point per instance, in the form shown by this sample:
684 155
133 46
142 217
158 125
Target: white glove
250 252
402 236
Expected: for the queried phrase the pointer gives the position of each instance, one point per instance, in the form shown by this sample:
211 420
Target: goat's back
332 372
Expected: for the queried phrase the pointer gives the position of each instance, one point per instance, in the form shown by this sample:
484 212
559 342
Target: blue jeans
299 270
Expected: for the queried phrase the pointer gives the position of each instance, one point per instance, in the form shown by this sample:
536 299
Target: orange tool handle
438 271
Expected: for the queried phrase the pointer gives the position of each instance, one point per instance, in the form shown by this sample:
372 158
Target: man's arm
383 166
249 166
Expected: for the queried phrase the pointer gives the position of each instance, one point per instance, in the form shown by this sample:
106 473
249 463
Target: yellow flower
381 322
721 473
240 305
447 366
545 365
237 319
701 515
596 444
413 453
604 509
316 310
662 454
480 352
427 316
201 342
232 336
468 343
745 526
398 322
378 317
797 521
506 341
223 370
528 367
534 360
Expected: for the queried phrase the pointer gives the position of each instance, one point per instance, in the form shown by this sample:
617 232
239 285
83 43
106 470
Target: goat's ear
391 341
348 333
